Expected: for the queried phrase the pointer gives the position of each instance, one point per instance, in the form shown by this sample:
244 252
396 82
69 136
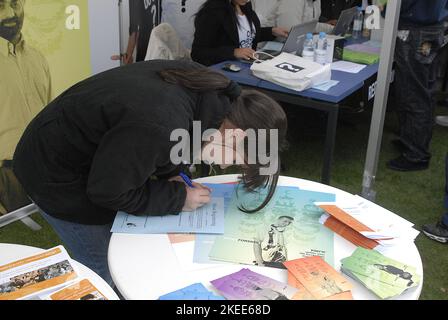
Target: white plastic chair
165 44
23 215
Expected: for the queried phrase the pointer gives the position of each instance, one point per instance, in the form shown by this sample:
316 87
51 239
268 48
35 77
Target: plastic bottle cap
309 35
322 35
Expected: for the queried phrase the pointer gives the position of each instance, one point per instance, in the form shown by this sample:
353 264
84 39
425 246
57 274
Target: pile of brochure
317 280
383 276
366 224
248 285
50 275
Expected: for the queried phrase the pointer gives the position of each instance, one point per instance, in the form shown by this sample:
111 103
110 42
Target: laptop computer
344 22
294 42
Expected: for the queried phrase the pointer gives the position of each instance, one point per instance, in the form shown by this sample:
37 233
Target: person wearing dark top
331 9
104 146
141 23
420 39
227 30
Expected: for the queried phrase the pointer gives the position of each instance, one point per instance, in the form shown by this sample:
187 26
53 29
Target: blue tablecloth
348 82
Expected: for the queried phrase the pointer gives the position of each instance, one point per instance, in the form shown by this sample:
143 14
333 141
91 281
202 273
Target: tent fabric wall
104 25
181 17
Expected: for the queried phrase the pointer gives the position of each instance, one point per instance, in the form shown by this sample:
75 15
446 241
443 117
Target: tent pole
120 27
381 97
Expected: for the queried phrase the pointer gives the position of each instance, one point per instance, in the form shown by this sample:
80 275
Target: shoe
399 145
437 232
403 164
442 121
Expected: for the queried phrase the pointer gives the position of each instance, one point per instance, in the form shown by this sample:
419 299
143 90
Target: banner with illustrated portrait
44 49
59 30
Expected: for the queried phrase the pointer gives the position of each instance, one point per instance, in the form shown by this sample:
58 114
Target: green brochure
382 290
384 276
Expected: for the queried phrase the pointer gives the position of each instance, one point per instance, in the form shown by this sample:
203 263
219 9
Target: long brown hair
250 110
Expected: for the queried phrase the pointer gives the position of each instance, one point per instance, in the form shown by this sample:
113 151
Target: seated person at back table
227 30
331 9
294 12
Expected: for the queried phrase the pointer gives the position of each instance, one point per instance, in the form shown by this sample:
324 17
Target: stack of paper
367 47
184 245
194 292
385 277
248 285
360 57
366 224
346 66
318 279
50 275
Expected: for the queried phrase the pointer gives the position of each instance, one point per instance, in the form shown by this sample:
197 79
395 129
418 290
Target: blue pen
186 179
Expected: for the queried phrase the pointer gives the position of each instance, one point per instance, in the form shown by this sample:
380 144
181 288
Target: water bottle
358 24
320 52
366 33
308 47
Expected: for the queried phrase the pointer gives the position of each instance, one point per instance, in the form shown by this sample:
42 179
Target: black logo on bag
289 67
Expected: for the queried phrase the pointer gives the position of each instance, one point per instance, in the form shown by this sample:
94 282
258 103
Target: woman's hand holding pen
196 197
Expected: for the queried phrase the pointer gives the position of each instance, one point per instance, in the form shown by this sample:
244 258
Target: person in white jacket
266 11
293 12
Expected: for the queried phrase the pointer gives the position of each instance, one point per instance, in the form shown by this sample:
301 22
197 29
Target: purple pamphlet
248 285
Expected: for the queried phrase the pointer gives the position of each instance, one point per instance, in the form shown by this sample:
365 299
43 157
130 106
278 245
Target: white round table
13 252
144 267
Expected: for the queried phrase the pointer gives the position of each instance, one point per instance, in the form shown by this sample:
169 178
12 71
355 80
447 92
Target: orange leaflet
350 234
345 218
180 237
318 277
302 294
341 296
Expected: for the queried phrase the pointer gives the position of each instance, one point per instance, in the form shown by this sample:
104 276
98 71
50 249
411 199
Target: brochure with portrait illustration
318 277
287 228
36 274
385 277
248 285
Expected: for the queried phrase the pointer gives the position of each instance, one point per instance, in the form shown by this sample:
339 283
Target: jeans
87 244
415 78
445 217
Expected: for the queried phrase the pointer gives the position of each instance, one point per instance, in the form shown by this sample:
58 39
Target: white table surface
14 252
144 267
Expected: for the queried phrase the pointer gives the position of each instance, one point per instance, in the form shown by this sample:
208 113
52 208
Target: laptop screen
297 36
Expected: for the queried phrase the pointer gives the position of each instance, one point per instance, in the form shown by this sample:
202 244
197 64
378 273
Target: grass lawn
417 197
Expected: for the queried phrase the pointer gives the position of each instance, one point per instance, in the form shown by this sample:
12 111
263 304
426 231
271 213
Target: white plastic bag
292 72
